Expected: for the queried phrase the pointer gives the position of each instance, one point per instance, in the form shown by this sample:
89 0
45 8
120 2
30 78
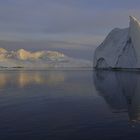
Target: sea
69 105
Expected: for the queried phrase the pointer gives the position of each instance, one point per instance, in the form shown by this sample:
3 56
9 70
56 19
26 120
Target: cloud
91 20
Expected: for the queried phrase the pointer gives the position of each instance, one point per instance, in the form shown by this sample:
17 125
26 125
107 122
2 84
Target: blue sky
80 21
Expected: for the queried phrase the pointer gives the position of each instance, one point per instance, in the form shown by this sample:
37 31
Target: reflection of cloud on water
65 83
24 78
121 90
3 80
48 78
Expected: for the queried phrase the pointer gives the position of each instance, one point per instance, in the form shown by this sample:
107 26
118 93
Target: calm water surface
68 105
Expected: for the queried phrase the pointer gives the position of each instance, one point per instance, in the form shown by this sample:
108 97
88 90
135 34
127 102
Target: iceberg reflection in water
121 90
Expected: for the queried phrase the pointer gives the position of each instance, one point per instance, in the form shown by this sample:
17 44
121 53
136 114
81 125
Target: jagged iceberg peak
134 33
121 48
133 20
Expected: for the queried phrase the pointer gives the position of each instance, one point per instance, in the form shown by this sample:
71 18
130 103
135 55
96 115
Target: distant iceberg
120 49
23 59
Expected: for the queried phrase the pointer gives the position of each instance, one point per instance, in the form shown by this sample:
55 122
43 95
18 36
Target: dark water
68 105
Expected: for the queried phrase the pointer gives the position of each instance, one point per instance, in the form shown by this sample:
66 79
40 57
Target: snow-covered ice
121 48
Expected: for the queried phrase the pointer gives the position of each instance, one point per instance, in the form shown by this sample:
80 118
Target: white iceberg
121 48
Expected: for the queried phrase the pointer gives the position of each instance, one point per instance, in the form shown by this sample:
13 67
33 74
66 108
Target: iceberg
120 49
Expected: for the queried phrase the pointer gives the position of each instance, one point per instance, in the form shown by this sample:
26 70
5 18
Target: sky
84 22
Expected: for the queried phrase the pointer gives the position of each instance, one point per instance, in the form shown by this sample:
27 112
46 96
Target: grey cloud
48 17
